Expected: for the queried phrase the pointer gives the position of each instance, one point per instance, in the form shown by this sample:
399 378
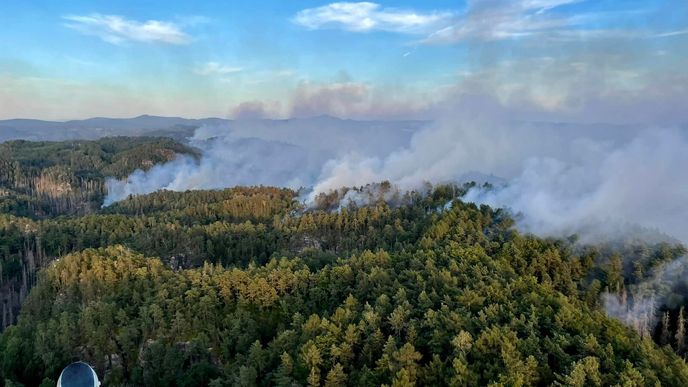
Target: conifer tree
664 334
680 332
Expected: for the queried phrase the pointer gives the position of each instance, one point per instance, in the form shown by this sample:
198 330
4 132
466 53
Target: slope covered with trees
232 227
42 179
368 286
246 287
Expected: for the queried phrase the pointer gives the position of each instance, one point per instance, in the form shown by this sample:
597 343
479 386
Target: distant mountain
322 132
144 122
94 128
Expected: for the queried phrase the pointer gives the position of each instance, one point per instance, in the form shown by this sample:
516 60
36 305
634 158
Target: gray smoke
603 190
598 181
288 153
590 180
638 305
226 161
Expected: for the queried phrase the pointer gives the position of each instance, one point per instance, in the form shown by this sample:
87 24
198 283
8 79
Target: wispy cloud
482 21
511 19
366 16
215 68
118 30
580 34
544 5
506 19
672 33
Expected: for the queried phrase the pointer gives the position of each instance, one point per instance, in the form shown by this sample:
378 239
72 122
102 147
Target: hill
42 179
246 287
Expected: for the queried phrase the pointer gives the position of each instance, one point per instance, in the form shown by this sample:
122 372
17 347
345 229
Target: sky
563 60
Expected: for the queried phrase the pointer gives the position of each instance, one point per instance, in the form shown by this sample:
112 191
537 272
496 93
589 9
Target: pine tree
461 372
314 377
284 371
680 332
336 377
462 342
614 273
403 379
407 358
631 376
664 335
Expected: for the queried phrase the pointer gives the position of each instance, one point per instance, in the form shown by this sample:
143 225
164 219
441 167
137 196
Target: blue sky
389 59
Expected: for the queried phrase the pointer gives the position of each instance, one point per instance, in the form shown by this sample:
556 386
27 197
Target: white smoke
639 313
594 181
638 305
604 190
226 161
288 153
597 181
443 152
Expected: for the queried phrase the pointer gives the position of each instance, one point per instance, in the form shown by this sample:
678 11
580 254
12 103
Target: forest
248 286
41 179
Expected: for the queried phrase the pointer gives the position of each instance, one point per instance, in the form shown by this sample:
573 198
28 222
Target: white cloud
215 68
505 19
672 33
365 16
481 20
117 30
544 5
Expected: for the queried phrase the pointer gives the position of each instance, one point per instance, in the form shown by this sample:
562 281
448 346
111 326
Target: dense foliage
367 286
41 179
270 293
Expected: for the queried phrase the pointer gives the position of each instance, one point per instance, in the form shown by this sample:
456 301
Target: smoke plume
638 306
226 161
603 189
561 180
597 181
287 153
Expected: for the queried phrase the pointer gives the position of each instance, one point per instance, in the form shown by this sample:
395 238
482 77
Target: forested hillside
246 286
42 179
231 227
45 180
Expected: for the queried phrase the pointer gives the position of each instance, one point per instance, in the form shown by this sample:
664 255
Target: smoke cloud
597 181
603 189
226 161
287 153
593 181
638 306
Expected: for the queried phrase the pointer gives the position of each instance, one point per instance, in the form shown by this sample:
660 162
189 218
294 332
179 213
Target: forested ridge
43 179
248 286
46 180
